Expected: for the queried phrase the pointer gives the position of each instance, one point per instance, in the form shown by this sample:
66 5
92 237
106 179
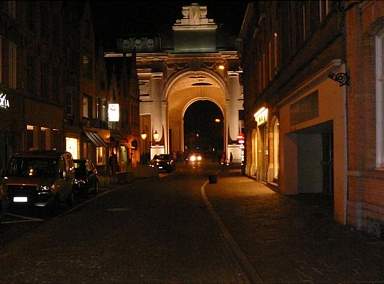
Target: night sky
146 18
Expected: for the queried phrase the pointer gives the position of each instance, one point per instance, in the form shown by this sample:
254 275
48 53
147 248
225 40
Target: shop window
72 146
100 156
379 58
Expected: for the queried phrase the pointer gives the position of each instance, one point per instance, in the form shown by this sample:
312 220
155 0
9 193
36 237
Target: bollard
212 178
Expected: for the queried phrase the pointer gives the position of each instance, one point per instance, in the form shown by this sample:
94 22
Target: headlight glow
45 188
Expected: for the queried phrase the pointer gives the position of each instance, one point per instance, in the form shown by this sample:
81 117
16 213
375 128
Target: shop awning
95 139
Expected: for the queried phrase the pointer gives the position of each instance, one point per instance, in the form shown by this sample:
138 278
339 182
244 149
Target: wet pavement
293 239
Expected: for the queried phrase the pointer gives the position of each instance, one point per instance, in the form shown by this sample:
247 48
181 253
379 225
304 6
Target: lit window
72 146
379 44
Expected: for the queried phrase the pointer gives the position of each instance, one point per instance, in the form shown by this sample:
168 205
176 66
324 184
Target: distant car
195 157
39 178
86 177
163 162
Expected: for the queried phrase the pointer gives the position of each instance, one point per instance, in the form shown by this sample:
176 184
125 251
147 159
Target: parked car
163 162
39 178
86 177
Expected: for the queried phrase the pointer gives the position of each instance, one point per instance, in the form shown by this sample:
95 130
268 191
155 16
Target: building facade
176 71
31 76
295 112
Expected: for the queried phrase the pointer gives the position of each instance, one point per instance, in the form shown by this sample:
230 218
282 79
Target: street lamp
143 135
144 157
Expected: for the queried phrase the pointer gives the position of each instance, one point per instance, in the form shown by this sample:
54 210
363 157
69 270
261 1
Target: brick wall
365 183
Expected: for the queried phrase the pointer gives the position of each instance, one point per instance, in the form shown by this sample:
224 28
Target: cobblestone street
290 239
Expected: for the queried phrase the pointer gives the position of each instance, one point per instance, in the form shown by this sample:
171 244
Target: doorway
315 160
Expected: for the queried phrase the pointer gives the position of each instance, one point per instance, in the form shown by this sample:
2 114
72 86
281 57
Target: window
30 67
275 52
100 156
1 59
55 139
379 57
29 138
86 67
44 80
12 65
86 106
68 101
12 8
323 9
43 138
304 15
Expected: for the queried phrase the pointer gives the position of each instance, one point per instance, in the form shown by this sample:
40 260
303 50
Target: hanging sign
113 112
4 102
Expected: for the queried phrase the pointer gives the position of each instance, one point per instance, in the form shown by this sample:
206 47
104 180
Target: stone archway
182 91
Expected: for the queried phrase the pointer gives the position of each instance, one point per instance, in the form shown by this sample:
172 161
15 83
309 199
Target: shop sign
261 116
4 102
113 112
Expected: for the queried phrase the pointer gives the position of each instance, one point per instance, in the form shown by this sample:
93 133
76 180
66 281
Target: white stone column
157 113
156 90
233 105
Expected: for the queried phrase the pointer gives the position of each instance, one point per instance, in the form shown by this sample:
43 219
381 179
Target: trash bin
212 178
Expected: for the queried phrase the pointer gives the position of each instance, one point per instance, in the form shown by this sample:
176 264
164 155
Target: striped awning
95 139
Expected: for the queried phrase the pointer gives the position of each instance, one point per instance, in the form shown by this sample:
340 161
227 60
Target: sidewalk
293 239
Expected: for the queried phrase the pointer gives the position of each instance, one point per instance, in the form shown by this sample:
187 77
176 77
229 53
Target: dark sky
128 18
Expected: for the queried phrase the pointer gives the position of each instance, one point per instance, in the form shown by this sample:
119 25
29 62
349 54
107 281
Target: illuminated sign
113 112
261 116
4 102
240 139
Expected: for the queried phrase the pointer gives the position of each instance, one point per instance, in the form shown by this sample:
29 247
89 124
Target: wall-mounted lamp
156 135
342 78
221 67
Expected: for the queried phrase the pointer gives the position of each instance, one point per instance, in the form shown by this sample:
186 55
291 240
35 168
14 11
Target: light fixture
217 120
221 67
143 135
156 135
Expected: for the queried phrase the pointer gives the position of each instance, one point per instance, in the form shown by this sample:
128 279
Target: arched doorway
204 128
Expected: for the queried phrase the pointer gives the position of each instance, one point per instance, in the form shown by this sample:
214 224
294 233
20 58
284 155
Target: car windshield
162 157
33 167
